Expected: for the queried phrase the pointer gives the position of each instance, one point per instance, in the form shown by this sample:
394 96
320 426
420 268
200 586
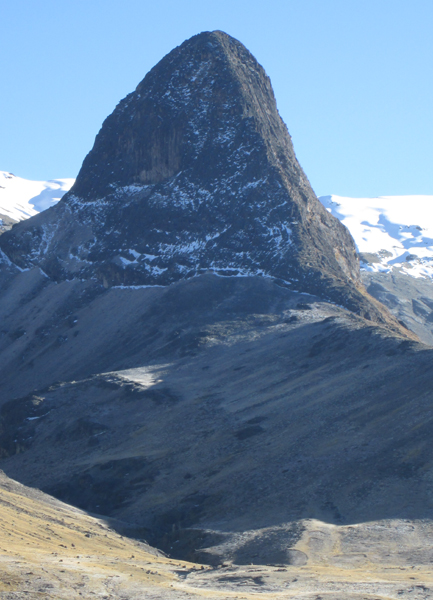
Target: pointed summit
195 172
203 105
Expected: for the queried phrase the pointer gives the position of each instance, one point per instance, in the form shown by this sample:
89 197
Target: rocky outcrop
195 172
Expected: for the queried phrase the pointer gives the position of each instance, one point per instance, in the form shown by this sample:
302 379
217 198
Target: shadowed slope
222 404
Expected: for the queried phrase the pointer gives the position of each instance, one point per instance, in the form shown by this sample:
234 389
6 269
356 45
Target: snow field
23 198
397 230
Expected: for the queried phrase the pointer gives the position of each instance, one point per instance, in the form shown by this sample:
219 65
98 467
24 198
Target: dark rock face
194 172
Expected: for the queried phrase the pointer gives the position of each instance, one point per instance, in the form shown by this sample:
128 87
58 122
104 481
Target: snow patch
135 287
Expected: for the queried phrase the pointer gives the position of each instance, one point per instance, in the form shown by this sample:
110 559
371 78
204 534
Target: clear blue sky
353 80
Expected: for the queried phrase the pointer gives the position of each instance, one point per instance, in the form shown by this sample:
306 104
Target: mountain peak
191 102
194 172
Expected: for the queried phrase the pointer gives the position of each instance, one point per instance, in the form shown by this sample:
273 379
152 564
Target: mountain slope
51 550
217 404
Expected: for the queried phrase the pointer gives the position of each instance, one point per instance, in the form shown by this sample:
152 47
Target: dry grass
52 550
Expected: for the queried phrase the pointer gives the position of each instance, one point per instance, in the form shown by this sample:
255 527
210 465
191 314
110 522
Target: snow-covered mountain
389 231
22 198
